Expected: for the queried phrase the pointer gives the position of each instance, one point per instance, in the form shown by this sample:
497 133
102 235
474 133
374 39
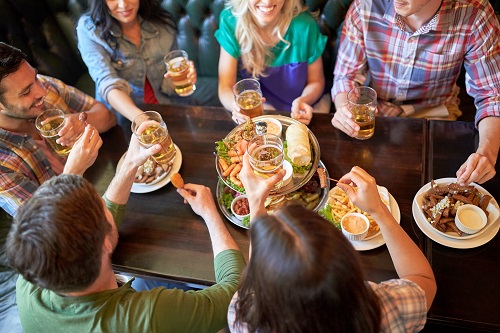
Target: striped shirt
403 307
23 165
418 70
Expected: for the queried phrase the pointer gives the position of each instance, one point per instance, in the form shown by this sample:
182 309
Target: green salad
326 213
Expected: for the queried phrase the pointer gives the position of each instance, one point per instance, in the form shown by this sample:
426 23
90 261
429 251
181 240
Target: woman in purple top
279 44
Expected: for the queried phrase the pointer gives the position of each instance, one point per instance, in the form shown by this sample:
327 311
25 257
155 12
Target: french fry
341 204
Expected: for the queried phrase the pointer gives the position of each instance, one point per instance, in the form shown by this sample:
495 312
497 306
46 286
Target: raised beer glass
266 156
177 63
248 96
150 129
49 123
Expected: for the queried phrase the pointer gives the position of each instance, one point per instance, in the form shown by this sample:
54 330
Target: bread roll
299 149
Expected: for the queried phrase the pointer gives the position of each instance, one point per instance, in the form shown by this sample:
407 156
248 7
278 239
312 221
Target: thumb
346 188
154 149
185 194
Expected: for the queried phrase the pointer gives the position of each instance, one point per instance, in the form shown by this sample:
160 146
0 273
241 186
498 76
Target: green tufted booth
45 30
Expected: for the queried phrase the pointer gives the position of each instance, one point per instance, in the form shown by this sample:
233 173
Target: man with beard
62 240
411 52
26 160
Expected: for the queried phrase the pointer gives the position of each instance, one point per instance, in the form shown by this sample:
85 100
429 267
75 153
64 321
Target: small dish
289 172
273 126
470 219
355 226
236 207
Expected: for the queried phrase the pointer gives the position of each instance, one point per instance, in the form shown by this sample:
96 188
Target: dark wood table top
467 279
162 237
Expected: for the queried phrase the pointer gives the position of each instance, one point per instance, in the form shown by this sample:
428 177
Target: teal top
125 310
287 71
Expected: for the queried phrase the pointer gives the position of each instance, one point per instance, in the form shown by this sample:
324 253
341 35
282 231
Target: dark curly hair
149 10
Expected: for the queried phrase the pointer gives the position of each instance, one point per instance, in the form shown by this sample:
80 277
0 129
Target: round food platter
298 179
452 239
221 187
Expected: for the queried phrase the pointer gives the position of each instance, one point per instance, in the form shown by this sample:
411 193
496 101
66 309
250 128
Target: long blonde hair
256 54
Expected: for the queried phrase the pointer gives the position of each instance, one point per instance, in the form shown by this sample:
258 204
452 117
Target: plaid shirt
403 307
23 166
418 70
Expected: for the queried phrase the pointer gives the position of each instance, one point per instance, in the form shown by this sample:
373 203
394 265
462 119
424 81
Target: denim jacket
128 68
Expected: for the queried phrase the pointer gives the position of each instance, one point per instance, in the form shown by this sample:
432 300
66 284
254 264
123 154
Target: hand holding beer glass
362 103
150 129
266 156
248 97
49 123
177 63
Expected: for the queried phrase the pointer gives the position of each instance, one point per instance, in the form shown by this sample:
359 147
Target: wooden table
468 293
162 237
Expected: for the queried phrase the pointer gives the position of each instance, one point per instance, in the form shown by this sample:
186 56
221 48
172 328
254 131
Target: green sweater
125 310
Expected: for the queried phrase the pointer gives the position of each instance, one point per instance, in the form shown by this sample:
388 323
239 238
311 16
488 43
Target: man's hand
301 111
342 120
84 152
478 168
200 199
137 155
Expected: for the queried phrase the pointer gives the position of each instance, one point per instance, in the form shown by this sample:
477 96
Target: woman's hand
71 130
301 111
257 188
362 190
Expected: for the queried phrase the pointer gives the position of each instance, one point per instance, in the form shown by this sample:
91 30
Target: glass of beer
362 103
266 156
49 123
150 129
248 96
177 63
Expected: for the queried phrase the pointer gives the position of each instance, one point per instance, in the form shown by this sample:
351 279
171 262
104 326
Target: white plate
289 172
467 242
378 240
146 188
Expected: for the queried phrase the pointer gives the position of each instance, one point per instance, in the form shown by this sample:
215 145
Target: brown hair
11 59
57 235
304 276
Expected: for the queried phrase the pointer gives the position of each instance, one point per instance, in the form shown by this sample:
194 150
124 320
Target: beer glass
49 123
150 129
248 96
266 156
362 103
177 63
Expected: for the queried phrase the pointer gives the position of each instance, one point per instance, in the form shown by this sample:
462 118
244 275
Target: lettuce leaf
226 199
246 221
326 213
221 149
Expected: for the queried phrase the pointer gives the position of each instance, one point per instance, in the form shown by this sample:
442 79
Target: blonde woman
279 43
